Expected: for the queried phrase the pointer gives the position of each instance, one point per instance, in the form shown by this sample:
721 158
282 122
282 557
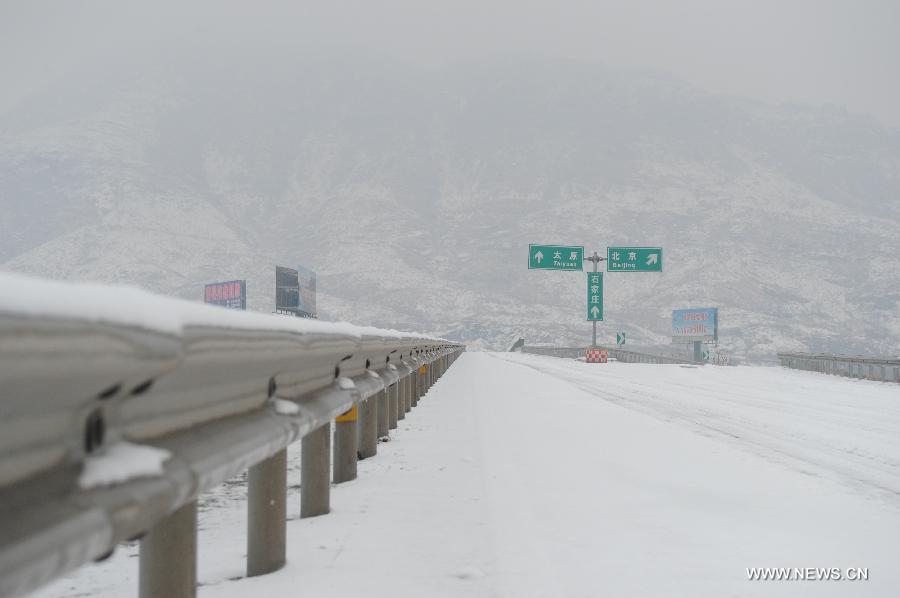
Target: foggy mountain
415 191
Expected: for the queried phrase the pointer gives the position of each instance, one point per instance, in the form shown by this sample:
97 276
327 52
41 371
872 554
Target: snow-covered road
844 429
521 476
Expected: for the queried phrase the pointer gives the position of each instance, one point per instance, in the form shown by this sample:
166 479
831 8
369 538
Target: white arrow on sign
539 257
595 311
654 257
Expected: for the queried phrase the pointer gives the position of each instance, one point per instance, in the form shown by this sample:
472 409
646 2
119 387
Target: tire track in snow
855 444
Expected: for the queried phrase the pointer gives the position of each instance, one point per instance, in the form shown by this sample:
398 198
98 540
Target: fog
409 152
813 52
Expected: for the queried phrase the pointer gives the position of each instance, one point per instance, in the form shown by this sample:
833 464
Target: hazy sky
804 51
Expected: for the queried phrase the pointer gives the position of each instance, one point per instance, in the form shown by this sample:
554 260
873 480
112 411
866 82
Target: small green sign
634 259
594 296
555 257
620 338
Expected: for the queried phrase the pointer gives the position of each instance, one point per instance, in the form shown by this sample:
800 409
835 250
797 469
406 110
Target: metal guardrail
615 352
637 357
119 407
869 368
564 352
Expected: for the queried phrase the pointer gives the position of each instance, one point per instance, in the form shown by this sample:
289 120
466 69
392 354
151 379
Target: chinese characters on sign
555 257
634 259
594 296
231 294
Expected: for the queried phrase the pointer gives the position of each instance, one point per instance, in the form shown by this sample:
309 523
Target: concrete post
346 445
267 515
417 386
168 559
384 423
368 428
393 395
315 465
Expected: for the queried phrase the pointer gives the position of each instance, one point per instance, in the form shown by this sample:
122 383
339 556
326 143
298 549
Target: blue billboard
695 324
306 281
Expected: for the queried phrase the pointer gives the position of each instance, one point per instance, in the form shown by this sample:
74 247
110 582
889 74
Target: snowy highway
847 430
520 475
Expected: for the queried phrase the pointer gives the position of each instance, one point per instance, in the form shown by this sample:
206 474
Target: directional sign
706 356
555 257
634 259
594 296
620 338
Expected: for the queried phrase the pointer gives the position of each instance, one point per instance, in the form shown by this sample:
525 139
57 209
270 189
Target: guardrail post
384 417
168 556
393 397
408 390
267 514
346 445
368 427
417 385
315 462
401 397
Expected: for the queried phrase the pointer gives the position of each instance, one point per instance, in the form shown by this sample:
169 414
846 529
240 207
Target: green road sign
594 296
620 338
634 259
706 356
555 257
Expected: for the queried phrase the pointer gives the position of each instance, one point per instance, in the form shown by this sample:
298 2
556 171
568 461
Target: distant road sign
695 324
634 259
620 338
594 296
555 257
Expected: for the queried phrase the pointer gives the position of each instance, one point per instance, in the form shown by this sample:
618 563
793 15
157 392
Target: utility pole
596 259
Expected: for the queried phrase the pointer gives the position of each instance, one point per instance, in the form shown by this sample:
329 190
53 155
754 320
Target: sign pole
596 259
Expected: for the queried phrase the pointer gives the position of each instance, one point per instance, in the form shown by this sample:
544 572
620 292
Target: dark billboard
231 294
287 291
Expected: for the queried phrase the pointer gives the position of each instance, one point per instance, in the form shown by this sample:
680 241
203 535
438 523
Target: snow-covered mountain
415 192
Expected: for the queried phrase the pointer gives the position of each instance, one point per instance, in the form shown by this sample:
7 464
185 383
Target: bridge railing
869 368
119 407
638 357
614 352
564 352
